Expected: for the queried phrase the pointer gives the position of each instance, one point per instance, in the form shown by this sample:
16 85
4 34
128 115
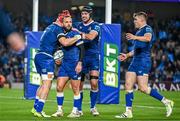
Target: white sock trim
94 90
37 97
59 107
76 97
164 100
128 108
129 91
74 109
149 90
42 100
60 94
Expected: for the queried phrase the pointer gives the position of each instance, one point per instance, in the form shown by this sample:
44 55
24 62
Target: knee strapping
94 77
48 76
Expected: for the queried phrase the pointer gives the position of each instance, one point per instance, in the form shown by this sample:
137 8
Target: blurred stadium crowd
165 53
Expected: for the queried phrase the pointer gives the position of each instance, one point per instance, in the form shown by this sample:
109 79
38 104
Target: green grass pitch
14 108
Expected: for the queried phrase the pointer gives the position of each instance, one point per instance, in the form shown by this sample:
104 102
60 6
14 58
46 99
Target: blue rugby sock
77 101
36 101
154 93
40 105
60 99
93 96
129 98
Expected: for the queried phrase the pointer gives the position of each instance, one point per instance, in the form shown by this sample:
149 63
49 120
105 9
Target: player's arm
95 29
130 54
146 38
80 45
123 56
68 41
90 36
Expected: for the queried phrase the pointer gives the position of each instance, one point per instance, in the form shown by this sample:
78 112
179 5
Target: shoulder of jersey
148 28
96 23
55 27
79 23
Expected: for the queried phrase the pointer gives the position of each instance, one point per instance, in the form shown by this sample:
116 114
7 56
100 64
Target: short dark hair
141 14
87 9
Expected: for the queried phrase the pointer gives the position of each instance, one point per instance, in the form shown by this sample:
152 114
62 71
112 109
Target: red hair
64 13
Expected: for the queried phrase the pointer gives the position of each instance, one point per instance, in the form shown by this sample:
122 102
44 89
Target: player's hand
122 57
58 62
130 36
78 68
83 35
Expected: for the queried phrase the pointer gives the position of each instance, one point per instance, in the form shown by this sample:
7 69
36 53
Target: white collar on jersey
143 26
88 23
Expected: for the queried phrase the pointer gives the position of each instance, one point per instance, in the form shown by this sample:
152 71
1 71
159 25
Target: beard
68 29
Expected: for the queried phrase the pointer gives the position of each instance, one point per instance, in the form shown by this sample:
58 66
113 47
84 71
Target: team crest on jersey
80 27
97 28
148 29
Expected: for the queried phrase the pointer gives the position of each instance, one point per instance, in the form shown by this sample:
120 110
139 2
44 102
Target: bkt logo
110 65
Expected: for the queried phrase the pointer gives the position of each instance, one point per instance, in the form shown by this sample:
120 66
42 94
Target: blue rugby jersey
91 46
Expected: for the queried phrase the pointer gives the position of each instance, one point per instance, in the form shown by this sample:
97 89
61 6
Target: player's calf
145 89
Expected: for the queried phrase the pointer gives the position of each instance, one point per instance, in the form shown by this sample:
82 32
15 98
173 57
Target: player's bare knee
76 91
94 82
128 86
59 88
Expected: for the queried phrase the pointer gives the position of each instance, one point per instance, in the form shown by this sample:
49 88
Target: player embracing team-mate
71 66
81 56
44 61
